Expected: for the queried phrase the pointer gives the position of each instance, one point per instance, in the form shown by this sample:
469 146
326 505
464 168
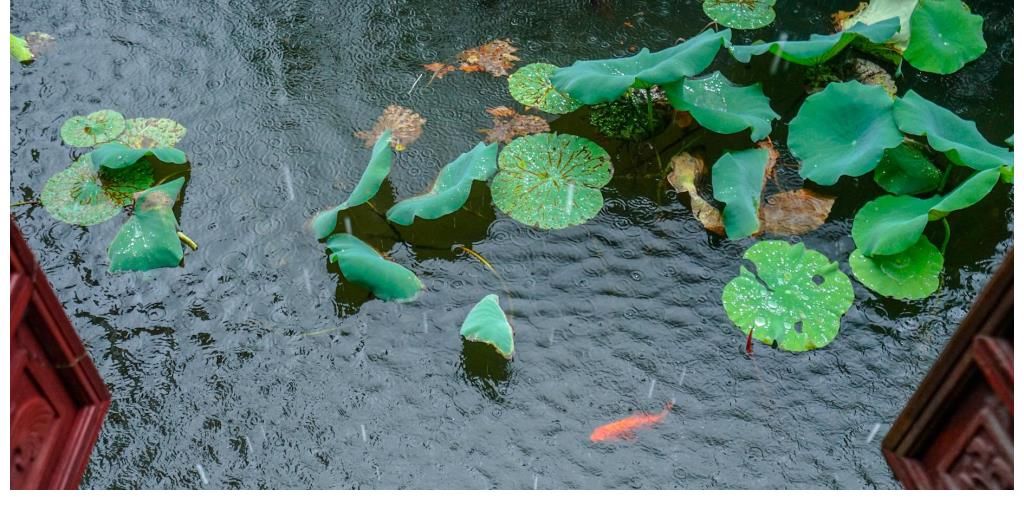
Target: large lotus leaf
879 10
376 171
966 194
93 129
819 48
722 106
149 239
451 189
361 264
80 196
144 133
116 156
843 130
909 274
737 180
796 298
905 170
944 36
551 181
959 139
531 86
20 50
741 14
601 81
488 324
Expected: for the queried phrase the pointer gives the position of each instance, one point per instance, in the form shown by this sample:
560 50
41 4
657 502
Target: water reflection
484 369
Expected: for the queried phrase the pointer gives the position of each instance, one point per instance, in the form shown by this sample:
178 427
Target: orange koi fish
626 427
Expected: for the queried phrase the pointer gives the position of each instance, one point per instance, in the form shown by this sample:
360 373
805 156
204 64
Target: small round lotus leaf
905 170
488 324
910 274
531 86
741 14
796 299
551 181
80 196
144 133
944 36
93 129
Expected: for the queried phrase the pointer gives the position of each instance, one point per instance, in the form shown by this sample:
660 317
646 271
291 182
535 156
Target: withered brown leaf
509 124
405 125
495 57
795 212
439 69
687 171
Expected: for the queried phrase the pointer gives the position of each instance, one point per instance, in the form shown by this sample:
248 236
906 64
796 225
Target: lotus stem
188 241
945 239
26 202
945 177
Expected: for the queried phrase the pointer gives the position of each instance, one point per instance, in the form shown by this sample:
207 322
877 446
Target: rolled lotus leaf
488 324
909 274
149 239
843 130
737 180
452 187
796 298
362 265
115 156
880 10
905 170
743 15
80 196
531 86
20 50
722 106
957 138
93 129
369 184
144 133
818 48
944 36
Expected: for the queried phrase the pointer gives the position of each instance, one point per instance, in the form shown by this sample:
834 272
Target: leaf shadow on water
484 369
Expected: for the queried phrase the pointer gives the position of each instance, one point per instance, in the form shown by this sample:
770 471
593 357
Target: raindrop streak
535 478
202 474
414 83
288 182
650 391
774 67
426 328
348 226
362 428
874 430
569 195
305 279
248 444
681 377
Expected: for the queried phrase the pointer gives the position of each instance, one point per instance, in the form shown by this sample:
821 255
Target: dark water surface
252 367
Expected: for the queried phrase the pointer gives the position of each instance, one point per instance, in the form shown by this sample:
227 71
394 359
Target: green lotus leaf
551 181
796 298
451 189
1009 141
905 170
959 139
879 10
722 106
909 274
944 36
80 196
93 129
116 156
819 48
741 14
369 184
843 130
531 86
891 224
149 239
601 81
143 133
488 324
362 265
20 50
738 180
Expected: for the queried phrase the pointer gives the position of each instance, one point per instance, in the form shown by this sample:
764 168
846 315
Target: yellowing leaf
687 170
406 127
509 124
795 212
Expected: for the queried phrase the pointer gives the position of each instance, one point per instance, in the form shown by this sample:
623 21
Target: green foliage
909 274
149 239
488 324
551 181
819 48
600 81
843 130
115 156
796 298
78 195
722 106
738 180
879 10
905 170
376 171
20 50
362 265
944 36
626 117
151 132
531 86
93 129
957 138
451 189
741 14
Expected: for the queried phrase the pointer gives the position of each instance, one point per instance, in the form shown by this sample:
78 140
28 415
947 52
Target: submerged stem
945 238
945 177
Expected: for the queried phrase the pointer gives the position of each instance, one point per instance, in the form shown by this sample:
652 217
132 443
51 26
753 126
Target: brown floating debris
509 124
406 127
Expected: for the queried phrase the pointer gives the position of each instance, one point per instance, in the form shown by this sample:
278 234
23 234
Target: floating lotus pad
880 10
20 49
722 106
742 14
488 324
451 189
362 265
144 133
149 239
551 181
957 138
905 170
790 307
78 195
116 156
531 86
369 184
737 179
819 48
843 130
93 129
909 274
601 81
891 224
944 36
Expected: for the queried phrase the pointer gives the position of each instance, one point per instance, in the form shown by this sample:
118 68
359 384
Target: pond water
253 367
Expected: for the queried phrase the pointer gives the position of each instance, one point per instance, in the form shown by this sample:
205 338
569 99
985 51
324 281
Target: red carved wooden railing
957 430
58 399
